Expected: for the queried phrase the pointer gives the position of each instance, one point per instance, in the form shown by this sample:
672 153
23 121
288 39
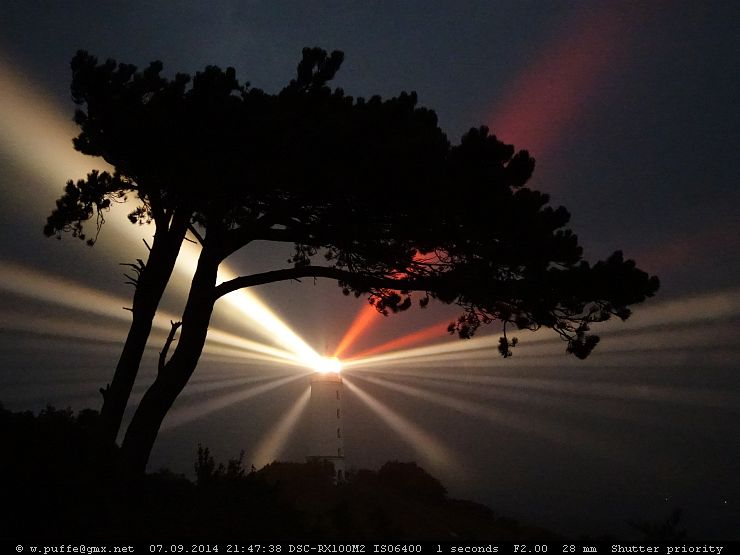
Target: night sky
632 112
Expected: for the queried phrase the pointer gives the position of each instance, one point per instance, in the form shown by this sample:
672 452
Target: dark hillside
58 484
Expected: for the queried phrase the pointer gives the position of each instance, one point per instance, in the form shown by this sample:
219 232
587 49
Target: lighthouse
325 413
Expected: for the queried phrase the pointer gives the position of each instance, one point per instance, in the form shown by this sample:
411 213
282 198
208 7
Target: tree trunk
172 378
152 282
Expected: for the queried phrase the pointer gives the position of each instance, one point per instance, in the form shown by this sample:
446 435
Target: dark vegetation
55 485
369 193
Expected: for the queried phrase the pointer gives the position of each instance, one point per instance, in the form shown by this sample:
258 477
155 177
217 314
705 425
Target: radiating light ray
700 337
430 448
524 423
236 364
545 101
247 345
255 315
369 315
671 357
58 327
431 332
188 413
661 348
255 372
69 388
32 131
433 351
209 373
668 358
275 439
35 134
613 349
215 385
366 316
527 388
27 282
30 283
708 307
592 406
99 333
232 355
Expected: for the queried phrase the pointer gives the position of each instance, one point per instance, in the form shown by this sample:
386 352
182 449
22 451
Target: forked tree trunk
151 285
172 378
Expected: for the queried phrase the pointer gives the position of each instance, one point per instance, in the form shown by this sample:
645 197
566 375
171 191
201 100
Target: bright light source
327 365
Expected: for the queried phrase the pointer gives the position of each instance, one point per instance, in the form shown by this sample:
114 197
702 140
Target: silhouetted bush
411 479
206 471
54 473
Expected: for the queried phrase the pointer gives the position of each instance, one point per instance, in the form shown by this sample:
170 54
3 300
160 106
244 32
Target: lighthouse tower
325 413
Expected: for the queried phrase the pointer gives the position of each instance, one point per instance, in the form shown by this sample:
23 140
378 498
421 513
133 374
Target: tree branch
167 343
282 235
345 276
261 230
156 209
198 236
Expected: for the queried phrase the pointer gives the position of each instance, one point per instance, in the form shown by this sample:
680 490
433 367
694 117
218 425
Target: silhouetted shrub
411 479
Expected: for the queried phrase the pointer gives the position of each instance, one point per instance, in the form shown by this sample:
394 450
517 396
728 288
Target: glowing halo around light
327 365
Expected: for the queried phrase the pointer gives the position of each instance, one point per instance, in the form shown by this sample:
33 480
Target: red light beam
366 317
549 96
432 332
